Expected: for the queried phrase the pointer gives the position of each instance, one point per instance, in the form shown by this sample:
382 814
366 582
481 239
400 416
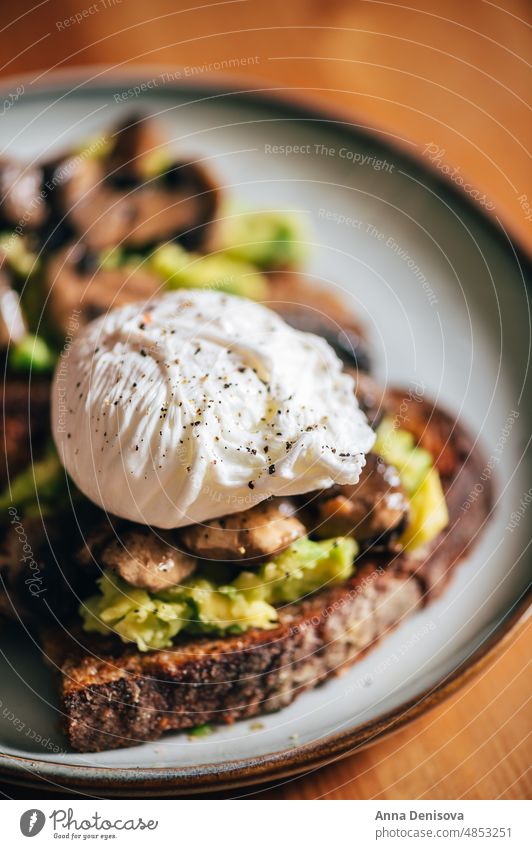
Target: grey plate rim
147 781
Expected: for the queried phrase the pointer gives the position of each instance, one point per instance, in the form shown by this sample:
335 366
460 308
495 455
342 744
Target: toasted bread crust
114 696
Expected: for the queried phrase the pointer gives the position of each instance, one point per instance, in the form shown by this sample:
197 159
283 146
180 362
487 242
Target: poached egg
203 404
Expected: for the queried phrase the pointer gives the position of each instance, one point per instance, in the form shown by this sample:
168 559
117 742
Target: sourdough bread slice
112 695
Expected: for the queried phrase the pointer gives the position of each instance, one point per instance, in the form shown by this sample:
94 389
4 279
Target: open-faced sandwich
231 510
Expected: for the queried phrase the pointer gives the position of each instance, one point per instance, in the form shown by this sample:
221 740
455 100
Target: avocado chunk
269 239
39 483
20 259
397 447
428 513
210 602
421 480
183 269
32 353
306 566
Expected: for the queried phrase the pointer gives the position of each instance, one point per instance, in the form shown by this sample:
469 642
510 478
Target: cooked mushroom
135 144
12 322
21 193
76 281
144 558
318 311
260 532
370 397
112 200
373 511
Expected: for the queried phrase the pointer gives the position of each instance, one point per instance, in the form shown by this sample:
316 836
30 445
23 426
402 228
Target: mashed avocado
20 259
269 239
183 269
31 353
420 478
211 602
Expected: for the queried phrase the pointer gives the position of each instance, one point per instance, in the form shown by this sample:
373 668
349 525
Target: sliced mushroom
260 532
374 510
112 200
144 558
77 282
136 142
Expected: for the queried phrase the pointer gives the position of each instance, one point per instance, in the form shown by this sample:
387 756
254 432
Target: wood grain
454 74
474 746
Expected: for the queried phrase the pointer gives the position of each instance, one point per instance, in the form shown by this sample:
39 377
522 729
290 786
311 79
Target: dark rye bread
114 696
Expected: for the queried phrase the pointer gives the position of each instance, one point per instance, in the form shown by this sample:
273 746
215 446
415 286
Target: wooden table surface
446 72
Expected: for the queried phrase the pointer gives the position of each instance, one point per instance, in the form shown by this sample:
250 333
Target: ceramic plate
443 295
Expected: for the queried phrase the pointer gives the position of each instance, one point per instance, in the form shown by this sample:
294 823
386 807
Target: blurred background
446 79
445 72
